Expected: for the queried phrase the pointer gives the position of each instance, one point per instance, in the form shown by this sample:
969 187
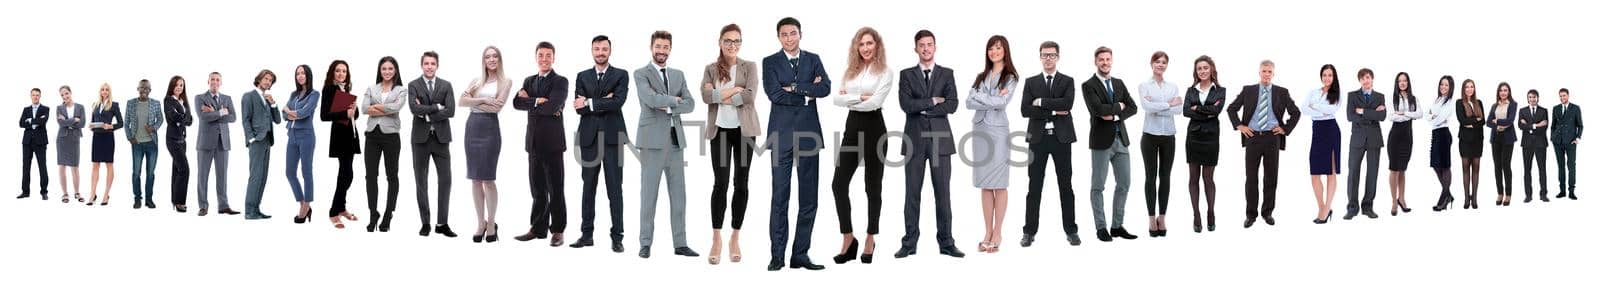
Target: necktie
794 62
1263 110
663 77
927 77
1366 96
1109 92
601 76
1048 80
430 85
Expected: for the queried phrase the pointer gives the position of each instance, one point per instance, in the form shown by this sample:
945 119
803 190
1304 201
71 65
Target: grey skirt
483 146
990 156
67 151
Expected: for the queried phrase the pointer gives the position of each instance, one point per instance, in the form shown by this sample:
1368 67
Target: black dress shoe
180 209
685 251
22 196
136 204
1369 214
1350 215
1542 198
644 252
805 265
775 265
1249 222
442 229
1527 200
584 241
952 252
1072 239
1561 195
226 211
616 246
1269 220
904 252
1103 235
1122 233
424 232
149 204
202 212
1027 240
527 236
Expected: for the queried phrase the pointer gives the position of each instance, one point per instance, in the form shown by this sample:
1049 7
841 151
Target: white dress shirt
876 82
1441 112
1318 108
1155 96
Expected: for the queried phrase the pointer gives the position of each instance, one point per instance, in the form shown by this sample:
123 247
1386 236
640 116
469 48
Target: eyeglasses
1049 56
732 42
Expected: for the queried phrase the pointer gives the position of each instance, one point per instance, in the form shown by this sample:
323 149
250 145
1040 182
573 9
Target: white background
1531 44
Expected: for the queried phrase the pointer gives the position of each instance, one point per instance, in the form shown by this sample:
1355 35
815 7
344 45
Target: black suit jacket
426 111
602 122
1533 137
926 121
1102 131
1568 124
1058 96
1364 128
34 134
546 133
1281 104
1202 108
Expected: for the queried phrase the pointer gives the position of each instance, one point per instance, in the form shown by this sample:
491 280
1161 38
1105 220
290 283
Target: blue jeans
144 154
302 145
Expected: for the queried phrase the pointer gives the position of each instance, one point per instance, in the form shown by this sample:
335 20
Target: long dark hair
1007 73
1406 94
1471 99
1196 73
1451 83
1509 99
304 89
172 86
722 62
329 86
391 61
1333 88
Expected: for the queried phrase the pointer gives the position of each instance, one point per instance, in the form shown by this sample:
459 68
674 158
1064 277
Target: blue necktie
1263 110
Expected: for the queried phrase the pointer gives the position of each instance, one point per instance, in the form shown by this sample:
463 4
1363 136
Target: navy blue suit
794 128
34 140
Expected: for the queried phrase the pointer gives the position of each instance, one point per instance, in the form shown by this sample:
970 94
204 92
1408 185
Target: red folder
342 102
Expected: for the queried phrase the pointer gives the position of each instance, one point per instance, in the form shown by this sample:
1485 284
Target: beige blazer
745 102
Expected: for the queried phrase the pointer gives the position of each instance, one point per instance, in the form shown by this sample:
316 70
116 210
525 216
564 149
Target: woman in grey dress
486 96
70 118
991 92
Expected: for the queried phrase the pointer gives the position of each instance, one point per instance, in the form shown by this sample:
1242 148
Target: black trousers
545 178
384 147
863 141
1567 168
342 186
1048 149
725 144
30 155
1259 151
180 172
1530 155
1502 168
596 158
439 153
1157 151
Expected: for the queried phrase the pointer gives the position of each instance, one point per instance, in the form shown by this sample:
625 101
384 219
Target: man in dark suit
599 95
1109 105
1263 133
1047 101
260 116
793 80
928 96
542 95
34 140
1568 125
1365 110
1533 122
432 107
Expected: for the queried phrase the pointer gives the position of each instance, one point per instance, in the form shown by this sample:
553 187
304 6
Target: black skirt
1471 142
1399 146
1201 147
1439 151
1325 147
104 148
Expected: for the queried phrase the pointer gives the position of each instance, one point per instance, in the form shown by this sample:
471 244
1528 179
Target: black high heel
866 258
849 253
494 234
1403 208
372 223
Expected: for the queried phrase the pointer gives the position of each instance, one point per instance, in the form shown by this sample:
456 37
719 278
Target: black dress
1471 132
104 147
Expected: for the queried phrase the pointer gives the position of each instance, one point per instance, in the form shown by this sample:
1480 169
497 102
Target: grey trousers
260 155
1117 158
655 163
219 158
1357 154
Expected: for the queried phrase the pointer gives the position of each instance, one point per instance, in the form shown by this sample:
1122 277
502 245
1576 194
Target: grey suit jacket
212 133
655 94
431 109
259 118
71 129
1364 128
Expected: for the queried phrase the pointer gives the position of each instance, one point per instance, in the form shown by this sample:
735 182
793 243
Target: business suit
795 137
731 148
661 141
259 119
298 153
431 108
178 121
1263 148
927 147
1050 136
1366 143
1534 143
1502 136
601 135
213 144
1108 147
35 138
1202 146
545 141
1568 124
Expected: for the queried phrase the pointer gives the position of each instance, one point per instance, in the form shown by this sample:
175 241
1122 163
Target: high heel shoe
494 234
866 257
92 198
1403 208
372 222
1444 203
849 252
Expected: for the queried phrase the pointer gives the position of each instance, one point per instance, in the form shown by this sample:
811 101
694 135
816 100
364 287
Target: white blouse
1404 111
728 115
1318 108
1158 121
1442 111
876 82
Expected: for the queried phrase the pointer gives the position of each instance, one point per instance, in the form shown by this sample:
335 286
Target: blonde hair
856 64
105 101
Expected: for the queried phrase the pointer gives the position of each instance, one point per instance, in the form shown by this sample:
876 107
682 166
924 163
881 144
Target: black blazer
546 133
602 122
1059 96
34 134
1281 104
1534 137
106 117
342 137
923 118
1203 112
1568 124
178 120
1101 131
1508 135
426 110
1364 128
